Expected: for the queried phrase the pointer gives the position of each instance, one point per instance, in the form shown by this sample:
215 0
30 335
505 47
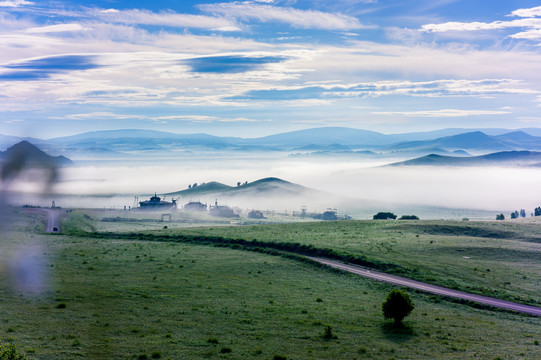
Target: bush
10 352
397 306
225 350
409 217
500 217
327 334
384 216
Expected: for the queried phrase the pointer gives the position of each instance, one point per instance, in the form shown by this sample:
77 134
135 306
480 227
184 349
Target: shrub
397 306
500 217
384 216
409 217
225 350
10 352
327 334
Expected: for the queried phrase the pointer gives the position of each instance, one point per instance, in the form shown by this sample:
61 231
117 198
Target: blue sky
253 68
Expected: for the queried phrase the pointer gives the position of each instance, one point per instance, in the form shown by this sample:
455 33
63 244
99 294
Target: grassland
135 299
501 259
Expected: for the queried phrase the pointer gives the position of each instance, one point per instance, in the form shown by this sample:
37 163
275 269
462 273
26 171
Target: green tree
382 215
397 306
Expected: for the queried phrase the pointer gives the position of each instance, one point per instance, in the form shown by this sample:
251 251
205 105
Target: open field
499 259
130 299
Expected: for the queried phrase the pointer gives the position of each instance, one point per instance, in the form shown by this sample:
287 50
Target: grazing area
113 297
499 259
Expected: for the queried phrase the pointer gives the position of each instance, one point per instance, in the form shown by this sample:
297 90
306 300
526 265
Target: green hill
265 185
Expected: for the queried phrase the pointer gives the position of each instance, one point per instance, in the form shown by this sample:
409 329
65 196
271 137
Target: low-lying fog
362 182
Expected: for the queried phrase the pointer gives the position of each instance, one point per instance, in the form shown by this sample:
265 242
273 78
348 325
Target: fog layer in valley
341 183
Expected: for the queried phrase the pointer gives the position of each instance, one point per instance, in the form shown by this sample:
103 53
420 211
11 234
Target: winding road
400 281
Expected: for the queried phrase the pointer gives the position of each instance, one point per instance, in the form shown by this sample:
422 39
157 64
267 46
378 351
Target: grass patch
256 305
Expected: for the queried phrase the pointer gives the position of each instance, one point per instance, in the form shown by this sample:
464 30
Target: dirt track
400 281
52 224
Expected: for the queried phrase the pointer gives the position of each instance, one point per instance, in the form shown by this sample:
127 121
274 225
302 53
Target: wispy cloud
438 88
530 21
15 3
56 29
305 19
441 113
474 26
531 12
170 18
529 35
105 115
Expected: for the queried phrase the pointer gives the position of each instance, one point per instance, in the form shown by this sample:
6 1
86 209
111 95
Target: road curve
397 280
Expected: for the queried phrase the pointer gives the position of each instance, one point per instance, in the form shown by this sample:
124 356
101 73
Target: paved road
397 280
52 216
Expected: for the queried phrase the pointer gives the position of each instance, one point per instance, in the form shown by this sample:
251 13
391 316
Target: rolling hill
264 186
504 158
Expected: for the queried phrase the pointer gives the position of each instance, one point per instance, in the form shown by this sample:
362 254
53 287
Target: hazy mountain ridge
328 139
26 154
503 158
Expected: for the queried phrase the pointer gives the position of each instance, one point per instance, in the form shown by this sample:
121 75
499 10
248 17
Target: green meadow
128 298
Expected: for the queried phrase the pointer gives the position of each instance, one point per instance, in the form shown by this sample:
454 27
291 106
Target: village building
222 211
156 203
256 214
196 206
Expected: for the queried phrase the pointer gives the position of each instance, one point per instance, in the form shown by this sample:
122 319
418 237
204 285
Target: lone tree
397 306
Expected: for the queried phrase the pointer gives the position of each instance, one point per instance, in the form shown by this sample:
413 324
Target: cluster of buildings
156 203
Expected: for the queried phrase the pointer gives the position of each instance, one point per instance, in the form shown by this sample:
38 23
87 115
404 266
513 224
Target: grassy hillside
500 259
126 299
266 185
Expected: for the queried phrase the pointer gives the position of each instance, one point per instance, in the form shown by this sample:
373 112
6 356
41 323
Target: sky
254 68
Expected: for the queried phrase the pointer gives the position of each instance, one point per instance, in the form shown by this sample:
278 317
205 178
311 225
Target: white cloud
56 28
529 35
441 113
474 26
170 18
531 12
98 115
306 19
15 3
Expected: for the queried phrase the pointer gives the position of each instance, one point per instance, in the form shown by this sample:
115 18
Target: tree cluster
383 215
516 214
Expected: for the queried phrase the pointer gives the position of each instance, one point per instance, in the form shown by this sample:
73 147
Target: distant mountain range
327 140
509 158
